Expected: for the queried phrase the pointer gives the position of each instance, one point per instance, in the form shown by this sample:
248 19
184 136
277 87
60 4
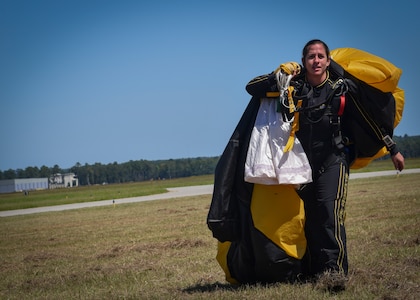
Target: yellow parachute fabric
399 103
221 257
369 68
376 72
277 212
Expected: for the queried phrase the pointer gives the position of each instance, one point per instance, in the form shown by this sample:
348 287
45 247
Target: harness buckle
389 142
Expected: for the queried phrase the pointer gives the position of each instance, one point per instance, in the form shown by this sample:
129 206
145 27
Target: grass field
95 192
41 198
163 250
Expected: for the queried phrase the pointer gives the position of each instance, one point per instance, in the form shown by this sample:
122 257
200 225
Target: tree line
143 170
139 170
408 145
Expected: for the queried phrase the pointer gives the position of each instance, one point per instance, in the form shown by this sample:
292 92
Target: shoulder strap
339 88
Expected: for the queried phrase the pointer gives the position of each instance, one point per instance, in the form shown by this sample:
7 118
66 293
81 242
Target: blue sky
112 81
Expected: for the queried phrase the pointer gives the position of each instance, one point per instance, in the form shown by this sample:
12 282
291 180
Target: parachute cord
285 98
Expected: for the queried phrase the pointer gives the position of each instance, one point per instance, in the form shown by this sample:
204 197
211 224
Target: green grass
41 198
386 164
163 250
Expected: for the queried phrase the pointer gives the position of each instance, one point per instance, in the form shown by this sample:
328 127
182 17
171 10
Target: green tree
44 172
56 169
10 174
32 172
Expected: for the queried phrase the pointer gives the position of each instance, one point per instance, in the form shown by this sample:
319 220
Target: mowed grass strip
163 250
98 192
12 201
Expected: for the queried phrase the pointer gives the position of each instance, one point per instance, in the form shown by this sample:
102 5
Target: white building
63 180
25 184
31 184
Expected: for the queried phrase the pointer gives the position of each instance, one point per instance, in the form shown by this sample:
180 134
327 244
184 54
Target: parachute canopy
373 70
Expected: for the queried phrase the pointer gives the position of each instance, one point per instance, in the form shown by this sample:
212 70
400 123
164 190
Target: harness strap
335 122
292 107
294 129
342 104
283 83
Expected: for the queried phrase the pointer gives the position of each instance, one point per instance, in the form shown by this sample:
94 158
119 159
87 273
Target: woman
325 146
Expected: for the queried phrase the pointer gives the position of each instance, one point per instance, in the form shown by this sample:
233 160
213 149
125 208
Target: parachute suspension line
285 99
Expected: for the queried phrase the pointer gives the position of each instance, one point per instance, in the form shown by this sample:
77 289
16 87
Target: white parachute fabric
266 161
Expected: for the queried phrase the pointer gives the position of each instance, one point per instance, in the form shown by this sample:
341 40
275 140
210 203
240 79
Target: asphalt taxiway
172 193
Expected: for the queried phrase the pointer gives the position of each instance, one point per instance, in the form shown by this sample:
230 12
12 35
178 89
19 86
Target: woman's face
316 61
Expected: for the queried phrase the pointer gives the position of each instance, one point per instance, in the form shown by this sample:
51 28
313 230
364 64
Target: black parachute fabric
250 256
230 189
372 114
375 101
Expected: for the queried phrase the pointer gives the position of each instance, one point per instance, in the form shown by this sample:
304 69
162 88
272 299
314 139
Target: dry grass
384 234
163 250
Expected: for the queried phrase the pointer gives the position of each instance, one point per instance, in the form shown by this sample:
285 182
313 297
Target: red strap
342 104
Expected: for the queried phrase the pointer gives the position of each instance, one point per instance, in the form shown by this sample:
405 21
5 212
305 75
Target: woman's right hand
290 68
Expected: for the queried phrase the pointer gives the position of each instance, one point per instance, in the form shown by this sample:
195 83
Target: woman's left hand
398 160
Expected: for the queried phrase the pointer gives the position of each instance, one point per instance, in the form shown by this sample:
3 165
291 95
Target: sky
99 81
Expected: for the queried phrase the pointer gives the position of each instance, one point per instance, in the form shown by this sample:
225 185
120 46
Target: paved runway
172 193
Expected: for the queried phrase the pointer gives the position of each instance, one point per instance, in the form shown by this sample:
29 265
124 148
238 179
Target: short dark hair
313 42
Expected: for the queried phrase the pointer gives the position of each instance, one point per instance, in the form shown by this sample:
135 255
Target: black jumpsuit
324 198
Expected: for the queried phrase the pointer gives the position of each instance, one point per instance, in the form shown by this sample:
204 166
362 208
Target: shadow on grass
210 287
